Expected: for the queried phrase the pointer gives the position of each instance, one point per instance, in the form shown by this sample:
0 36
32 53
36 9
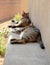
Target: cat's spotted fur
29 34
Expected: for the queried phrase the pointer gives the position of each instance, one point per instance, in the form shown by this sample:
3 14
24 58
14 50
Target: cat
29 34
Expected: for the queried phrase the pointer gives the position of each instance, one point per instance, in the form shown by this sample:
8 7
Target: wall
40 15
24 4
9 8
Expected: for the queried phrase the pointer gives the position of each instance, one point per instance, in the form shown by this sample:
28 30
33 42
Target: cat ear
23 12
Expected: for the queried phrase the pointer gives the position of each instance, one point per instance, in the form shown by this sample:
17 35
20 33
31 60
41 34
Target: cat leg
10 26
15 26
17 41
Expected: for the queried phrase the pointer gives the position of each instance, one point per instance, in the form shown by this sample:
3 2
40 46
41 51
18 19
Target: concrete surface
25 54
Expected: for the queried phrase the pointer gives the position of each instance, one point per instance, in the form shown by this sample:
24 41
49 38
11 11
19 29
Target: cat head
24 18
25 15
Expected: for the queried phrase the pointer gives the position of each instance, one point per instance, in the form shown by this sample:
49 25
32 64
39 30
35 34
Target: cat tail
40 42
42 45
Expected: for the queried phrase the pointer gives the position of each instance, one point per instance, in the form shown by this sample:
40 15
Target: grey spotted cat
29 34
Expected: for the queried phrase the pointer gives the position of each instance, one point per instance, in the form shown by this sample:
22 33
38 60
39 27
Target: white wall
40 15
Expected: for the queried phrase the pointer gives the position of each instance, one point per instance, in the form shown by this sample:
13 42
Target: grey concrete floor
25 54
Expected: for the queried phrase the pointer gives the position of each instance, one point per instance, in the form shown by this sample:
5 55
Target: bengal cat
29 34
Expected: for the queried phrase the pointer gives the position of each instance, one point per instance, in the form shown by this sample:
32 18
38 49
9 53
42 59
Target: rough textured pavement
25 54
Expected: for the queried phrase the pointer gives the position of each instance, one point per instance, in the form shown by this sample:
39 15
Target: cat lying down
29 34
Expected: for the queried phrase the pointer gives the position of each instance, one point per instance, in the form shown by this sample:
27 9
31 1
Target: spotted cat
29 34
